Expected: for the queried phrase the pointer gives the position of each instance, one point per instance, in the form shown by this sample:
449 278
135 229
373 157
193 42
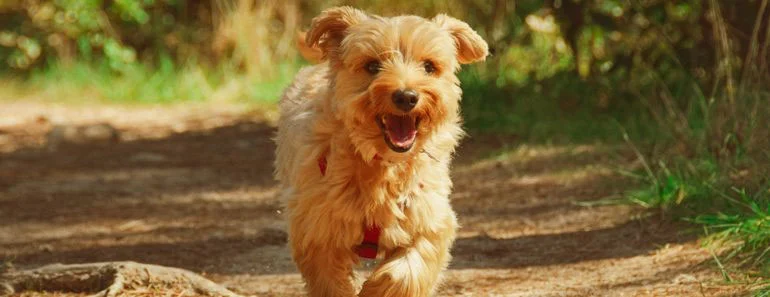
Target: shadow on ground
630 239
204 200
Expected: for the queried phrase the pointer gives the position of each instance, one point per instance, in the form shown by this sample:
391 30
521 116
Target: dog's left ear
470 46
329 28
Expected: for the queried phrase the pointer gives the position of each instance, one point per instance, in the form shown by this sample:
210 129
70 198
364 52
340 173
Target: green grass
728 199
141 84
744 228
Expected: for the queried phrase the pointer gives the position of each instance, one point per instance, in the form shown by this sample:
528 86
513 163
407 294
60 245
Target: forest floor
192 187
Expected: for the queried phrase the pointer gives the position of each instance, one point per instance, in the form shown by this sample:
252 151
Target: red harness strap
322 165
368 247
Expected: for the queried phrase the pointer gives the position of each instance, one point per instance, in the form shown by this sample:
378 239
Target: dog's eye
429 67
373 67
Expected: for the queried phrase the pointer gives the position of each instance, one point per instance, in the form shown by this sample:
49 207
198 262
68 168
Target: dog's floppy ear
328 29
311 54
470 46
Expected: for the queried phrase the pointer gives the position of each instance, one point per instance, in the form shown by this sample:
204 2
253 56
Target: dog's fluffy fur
331 112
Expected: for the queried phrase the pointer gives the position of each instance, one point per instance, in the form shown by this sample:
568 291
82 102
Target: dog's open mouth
399 131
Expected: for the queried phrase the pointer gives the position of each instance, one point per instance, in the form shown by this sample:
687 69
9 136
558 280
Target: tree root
110 279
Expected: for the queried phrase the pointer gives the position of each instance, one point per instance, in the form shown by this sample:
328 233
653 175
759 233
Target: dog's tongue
401 130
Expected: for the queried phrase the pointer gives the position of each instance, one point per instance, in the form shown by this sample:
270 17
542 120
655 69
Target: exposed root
110 279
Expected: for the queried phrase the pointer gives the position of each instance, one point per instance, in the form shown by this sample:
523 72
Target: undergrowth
560 109
716 171
730 203
142 84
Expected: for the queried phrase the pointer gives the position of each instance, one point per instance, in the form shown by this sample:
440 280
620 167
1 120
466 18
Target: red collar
368 247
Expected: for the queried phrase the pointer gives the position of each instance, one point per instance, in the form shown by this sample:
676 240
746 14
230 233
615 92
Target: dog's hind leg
411 271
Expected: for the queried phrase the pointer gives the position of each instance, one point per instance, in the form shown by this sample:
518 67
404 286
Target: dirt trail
193 188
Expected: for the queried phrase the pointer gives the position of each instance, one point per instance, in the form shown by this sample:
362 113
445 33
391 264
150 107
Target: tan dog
364 146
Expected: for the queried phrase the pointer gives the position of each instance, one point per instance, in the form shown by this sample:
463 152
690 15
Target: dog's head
394 82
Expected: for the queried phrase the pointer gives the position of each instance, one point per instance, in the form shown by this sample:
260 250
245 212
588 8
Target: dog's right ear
328 29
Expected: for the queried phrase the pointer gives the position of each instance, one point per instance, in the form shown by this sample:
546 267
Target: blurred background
637 63
684 86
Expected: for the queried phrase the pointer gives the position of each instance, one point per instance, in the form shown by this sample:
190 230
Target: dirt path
193 188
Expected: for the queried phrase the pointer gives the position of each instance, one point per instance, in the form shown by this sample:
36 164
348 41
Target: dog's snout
405 100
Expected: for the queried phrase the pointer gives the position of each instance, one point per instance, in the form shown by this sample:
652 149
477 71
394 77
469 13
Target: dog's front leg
325 265
411 271
327 272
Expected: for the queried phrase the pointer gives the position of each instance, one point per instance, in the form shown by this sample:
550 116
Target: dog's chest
397 232
401 202
404 217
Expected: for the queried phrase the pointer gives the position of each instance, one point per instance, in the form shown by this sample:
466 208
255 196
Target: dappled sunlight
577 278
138 181
545 157
533 190
628 275
546 219
204 187
525 152
209 114
202 197
37 124
156 214
132 181
268 285
565 176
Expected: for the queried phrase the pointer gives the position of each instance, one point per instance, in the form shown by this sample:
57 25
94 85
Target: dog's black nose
405 100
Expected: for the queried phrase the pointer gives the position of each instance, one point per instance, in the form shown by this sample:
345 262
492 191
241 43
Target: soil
192 187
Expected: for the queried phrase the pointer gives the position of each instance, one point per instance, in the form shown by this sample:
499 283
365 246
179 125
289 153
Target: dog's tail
310 53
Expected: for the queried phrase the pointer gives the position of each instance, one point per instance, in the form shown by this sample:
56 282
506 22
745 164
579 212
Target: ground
192 187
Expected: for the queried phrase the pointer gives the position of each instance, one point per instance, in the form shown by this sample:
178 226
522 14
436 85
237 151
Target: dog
364 145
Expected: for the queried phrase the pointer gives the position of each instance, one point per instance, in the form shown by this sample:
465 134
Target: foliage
62 29
716 172
150 50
